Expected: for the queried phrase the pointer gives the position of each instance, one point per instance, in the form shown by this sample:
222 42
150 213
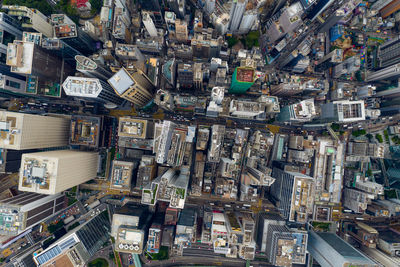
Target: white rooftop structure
82 86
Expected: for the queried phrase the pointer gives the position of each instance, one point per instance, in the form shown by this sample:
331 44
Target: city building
75 37
91 69
294 194
215 147
26 131
10 160
301 112
343 111
219 233
79 245
328 249
149 24
91 89
170 187
146 171
181 30
33 19
129 228
135 86
51 172
389 73
283 246
135 128
25 210
186 229
121 175
11 30
356 200
154 238
185 76
162 140
242 79
236 14
128 52
85 130
27 58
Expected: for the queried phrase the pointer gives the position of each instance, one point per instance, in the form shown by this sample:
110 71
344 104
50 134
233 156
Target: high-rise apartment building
134 86
328 249
51 172
25 210
26 131
237 9
162 140
135 128
91 89
294 194
389 73
80 244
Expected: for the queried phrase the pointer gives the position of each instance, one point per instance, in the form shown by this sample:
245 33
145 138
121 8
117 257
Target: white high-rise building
92 89
237 9
387 73
26 131
52 172
149 24
249 17
209 6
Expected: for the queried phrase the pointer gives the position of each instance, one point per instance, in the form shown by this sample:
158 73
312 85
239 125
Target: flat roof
342 246
121 81
245 75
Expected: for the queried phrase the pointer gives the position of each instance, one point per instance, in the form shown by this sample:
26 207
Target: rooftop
82 86
121 81
245 75
65 31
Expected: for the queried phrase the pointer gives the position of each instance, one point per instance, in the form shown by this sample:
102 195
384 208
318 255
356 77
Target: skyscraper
343 111
32 18
149 24
242 79
51 172
389 73
91 89
75 37
30 59
11 31
129 228
282 246
25 131
237 9
294 194
91 68
26 210
328 249
79 245
134 86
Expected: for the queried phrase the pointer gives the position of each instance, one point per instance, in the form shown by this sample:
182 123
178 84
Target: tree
96 6
379 138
